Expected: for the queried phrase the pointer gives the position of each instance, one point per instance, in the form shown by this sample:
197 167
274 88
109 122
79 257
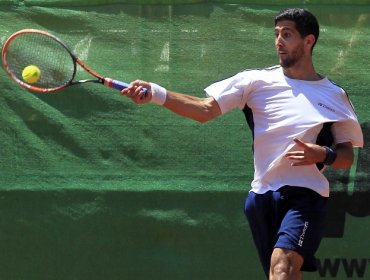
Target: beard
291 59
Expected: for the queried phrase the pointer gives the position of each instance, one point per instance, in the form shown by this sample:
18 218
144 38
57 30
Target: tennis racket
56 61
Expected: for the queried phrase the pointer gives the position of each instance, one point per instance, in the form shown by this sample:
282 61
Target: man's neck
299 72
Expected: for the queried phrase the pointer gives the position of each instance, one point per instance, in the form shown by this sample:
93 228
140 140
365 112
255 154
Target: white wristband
159 94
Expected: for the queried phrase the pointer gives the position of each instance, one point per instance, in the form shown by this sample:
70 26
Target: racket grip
118 85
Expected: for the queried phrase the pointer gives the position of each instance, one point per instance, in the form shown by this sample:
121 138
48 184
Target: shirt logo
326 107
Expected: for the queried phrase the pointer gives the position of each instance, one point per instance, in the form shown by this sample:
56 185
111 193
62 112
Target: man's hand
136 93
307 154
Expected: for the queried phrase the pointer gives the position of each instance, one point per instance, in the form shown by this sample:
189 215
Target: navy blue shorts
291 218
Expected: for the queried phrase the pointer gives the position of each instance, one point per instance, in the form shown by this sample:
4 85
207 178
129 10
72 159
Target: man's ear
310 40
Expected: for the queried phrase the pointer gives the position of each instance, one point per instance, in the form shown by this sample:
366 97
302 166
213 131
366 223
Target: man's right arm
195 108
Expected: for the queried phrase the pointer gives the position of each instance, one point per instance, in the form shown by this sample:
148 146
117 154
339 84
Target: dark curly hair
305 22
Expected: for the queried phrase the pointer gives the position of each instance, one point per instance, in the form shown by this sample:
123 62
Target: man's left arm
344 157
341 157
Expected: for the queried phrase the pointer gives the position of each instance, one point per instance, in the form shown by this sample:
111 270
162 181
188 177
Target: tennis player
300 122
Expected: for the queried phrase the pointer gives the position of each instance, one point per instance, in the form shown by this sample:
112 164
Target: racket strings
52 58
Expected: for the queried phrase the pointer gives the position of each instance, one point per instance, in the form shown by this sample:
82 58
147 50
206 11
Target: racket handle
118 84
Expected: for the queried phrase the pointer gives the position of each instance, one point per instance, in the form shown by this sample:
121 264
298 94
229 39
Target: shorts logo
301 238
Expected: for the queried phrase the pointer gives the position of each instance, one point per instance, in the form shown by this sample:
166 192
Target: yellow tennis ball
31 74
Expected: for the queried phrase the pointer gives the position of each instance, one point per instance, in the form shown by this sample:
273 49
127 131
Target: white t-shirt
284 109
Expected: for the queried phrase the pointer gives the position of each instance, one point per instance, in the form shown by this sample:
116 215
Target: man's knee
285 264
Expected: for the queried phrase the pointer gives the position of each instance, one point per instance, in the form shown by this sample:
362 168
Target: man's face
289 43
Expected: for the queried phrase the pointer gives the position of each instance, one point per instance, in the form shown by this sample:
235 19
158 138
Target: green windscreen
93 186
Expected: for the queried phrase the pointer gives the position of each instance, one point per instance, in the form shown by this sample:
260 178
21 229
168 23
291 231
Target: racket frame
76 61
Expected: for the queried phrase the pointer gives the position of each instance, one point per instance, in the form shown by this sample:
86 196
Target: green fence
95 187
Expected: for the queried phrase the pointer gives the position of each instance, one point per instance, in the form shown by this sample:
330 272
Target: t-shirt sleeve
231 93
348 131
